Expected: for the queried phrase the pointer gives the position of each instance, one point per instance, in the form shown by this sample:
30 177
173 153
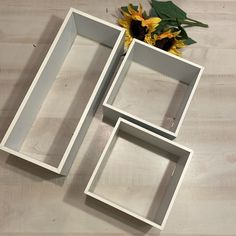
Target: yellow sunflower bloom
136 25
167 41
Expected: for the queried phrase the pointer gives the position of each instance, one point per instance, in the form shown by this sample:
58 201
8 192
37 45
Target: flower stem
190 22
198 22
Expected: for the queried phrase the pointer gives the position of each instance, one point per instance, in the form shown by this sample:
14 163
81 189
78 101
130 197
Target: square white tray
152 88
139 173
75 24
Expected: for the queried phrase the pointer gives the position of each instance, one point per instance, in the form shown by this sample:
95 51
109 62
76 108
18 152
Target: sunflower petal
140 11
153 21
176 33
175 51
155 37
137 17
152 29
179 43
124 23
125 14
131 9
166 34
148 39
128 39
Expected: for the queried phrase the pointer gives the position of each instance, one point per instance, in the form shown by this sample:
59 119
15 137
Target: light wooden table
36 202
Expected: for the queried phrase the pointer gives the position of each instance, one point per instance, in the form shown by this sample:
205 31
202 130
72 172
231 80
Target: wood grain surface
36 202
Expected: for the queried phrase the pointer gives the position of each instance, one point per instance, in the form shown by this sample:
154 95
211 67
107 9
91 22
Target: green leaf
189 41
184 36
145 15
164 25
125 8
170 22
183 33
152 13
168 10
161 27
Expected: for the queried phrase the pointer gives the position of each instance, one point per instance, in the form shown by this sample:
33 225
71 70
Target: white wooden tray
152 88
76 24
139 173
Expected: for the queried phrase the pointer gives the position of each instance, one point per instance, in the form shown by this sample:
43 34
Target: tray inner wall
53 109
66 101
151 96
137 176
153 87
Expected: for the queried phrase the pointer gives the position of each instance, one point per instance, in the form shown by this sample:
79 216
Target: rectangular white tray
76 23
139 173
152 88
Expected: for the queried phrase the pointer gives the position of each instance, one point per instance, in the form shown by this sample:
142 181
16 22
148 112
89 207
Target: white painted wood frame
117 166
75 23
164 63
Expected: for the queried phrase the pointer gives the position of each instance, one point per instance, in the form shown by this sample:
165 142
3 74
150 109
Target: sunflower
136 25
168 41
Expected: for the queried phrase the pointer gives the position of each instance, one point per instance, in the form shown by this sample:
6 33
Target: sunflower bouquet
162 28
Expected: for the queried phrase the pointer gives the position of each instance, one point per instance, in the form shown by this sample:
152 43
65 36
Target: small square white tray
75 24
152 88
139 173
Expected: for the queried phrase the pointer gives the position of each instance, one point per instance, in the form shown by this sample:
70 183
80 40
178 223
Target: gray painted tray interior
87 47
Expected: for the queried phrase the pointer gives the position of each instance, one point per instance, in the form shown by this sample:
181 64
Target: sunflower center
165 43
137 30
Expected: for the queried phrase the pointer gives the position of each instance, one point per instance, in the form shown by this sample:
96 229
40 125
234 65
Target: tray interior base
135 175
151 95
63 107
